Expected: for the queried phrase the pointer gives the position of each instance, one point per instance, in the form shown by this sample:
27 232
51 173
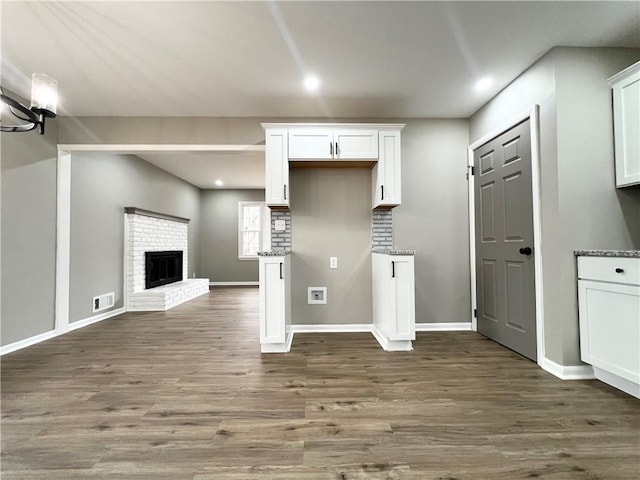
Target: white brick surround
146 233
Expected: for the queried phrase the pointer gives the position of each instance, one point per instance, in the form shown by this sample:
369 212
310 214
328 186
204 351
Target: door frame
532 114
64 163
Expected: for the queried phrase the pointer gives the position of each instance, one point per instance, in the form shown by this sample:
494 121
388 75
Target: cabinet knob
619 270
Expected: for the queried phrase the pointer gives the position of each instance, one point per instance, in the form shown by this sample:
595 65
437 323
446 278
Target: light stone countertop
607 253
274 253
394 252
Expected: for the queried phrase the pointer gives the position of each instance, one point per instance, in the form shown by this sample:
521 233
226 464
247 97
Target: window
249 229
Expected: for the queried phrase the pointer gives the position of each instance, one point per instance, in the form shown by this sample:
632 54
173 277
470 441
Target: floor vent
103 302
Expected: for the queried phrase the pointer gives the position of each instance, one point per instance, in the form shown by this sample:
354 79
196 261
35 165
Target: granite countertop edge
274 253
607 253
394 252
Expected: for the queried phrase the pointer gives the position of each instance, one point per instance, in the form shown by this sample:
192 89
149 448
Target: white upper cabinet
370 145
276 168
626 125
386 175
311 143
316 143
355 143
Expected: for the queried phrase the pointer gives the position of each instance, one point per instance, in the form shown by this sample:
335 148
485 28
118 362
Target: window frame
260 231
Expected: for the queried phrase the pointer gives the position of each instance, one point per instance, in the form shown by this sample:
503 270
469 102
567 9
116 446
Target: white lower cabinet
394 301
609 308
275 304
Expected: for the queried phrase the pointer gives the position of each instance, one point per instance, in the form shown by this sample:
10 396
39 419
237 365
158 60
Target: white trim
278 347
444 327
391 345
63 242
234 284
572 372
156 148
96 318
27 342
125 263
261 229
320 328
533 115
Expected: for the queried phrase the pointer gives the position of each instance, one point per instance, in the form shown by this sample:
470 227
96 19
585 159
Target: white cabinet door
276 168
402 299
386 175
275 304
610 327
332 144
355 144
394 316
272 300
626 124
310 143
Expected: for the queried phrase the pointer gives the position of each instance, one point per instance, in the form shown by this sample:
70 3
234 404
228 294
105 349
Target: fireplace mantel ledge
149 213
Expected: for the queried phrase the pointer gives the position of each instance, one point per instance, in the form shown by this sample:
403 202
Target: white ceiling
376 59
202 169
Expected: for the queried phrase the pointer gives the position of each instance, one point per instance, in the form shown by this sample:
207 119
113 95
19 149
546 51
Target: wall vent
103 302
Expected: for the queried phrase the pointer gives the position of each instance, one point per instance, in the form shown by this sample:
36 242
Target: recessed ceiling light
312 83
219 183
484 84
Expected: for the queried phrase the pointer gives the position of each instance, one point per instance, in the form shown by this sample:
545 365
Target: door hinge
475 313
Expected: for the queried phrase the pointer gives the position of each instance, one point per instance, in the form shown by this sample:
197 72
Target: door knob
526 251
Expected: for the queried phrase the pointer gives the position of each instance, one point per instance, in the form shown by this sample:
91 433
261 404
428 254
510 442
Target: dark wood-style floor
186 395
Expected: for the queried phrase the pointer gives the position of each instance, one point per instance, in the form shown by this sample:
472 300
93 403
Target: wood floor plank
186 395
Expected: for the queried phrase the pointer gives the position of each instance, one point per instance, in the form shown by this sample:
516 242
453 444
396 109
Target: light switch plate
280 226
333 262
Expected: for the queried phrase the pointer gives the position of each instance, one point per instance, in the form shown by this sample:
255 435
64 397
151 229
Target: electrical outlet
333 262
317 295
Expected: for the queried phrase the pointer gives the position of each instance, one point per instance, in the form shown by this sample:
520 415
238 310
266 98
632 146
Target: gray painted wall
28 224
580 206
219 236
434 217
101 186
331 216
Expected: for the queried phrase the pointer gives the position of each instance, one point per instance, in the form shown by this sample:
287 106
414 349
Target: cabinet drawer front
610 269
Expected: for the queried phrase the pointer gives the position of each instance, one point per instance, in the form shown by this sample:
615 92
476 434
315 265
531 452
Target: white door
272 300
386 174
402 299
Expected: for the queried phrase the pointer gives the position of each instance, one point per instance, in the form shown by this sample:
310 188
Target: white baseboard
569 372
278 347
444 327
27 342
321 328
391 345
96 318
233 284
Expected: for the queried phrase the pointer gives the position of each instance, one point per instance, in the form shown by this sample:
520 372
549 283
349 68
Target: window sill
244 259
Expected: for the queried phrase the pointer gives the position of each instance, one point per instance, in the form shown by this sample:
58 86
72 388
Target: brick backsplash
281 240
382 229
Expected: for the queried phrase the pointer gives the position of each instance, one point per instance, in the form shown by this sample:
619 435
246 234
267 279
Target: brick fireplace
147 231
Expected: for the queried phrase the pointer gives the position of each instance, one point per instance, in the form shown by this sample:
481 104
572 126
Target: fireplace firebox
162 268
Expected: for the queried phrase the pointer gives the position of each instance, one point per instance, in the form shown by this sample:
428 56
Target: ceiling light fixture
484 84
312 83
44 100
219 183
